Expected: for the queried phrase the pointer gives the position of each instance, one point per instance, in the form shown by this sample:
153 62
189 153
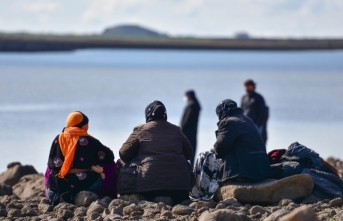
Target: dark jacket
89 152
155 157
189 122
254 107
242 149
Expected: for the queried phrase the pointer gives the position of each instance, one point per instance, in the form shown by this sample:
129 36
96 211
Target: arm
226 136
187 148
105 154
261 106
131 146
56 157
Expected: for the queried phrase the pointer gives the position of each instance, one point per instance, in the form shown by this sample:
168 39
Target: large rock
182 210
85 198
15 172
223 215
5 189
276 215
303 213
30 186
267 191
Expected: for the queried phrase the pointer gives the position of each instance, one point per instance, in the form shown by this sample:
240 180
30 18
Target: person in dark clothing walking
238 154
189 122
253 106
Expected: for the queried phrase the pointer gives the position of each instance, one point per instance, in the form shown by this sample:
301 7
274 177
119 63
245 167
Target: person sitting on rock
239 153
155 157
74 161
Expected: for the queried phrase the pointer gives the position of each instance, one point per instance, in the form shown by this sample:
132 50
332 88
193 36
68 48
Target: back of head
225 108
155 111
77 119
191 94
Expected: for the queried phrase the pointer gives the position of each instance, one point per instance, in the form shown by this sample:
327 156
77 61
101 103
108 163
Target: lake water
303 90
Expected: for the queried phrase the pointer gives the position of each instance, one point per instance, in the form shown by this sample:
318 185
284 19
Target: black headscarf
155 110
226 108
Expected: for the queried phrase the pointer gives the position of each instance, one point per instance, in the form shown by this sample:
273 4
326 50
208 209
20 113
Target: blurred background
111 58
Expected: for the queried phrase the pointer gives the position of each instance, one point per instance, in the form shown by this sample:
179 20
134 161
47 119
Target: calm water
303 89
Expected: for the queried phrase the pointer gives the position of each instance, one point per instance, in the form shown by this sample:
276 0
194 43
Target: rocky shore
22 198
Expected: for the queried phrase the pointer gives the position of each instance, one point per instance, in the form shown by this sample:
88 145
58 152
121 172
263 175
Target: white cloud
40 6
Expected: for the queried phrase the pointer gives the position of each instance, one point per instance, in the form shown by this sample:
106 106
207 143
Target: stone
291 206
56 219
258 209
10 165
338 202
93 216
275 216
14 205
80 211
95 207
28 211
117 210
44 208
111 217
267 191
3 212
150 212
285 202
131 197
311 199
208 204
303 213
182 210
105 213
105 201
231 202
118 202
14 213
65 214
220 206
222 215
44 201
77 218
166 214
85 198
132 209
164 199
13 174
29 186
5 189
65 206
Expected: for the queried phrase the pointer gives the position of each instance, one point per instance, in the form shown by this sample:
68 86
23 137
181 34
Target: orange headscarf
69 137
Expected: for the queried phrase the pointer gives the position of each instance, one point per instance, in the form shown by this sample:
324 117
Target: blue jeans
55 197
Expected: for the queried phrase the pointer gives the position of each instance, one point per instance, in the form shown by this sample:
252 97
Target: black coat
240 146
189 122
254 107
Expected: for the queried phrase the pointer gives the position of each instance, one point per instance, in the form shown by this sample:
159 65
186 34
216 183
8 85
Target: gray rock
3 212
105 201
44 208
164 199
222 215
276 215
132 209
35 219
338 202
29 186
56 219
14 213
116 210
94 216
28 211
5 189
231 202
267 191
80 211
150 212
220 206
105 213
291 206
112 217
10 165
65 206
258 209
85 198
14 173
208 204
65 214
285 202
118 202
182 210
14 205
303 213
166 214
95 207
44 201
77 218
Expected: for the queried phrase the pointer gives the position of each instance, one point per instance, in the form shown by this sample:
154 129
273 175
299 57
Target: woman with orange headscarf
74 161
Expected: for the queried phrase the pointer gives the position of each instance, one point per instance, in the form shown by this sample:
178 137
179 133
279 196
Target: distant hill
132 31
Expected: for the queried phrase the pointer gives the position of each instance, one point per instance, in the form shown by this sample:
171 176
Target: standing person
254 107
189 122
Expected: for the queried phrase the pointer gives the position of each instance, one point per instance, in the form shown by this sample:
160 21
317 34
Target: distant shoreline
50 43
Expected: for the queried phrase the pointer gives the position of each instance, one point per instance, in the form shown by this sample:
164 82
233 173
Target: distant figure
238 154
254 107
74 162
155 157
189 122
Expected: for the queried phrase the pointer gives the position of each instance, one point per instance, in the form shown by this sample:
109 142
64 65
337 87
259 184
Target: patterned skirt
205 169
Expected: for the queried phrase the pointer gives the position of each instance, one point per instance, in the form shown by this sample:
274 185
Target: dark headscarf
191 94
226 108
155 110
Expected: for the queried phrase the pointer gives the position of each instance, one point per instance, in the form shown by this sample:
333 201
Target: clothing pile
298 159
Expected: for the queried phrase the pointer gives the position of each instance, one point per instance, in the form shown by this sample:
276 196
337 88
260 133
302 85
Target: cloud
38 7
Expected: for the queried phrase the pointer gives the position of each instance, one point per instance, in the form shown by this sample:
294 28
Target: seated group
155 159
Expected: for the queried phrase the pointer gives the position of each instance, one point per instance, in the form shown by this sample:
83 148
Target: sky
207 18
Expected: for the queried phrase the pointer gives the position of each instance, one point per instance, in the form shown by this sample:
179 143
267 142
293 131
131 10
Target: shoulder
139 127
259 96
